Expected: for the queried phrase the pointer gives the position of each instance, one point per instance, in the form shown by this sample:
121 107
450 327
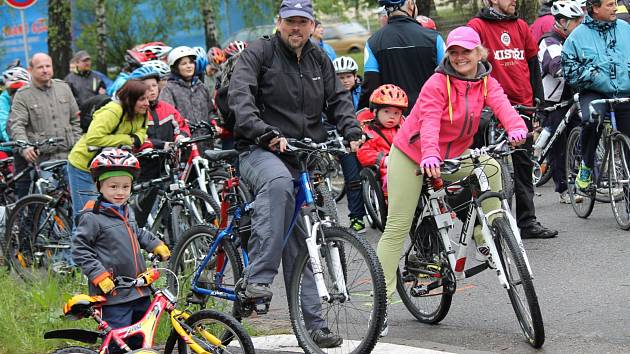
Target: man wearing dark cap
83 81
280 88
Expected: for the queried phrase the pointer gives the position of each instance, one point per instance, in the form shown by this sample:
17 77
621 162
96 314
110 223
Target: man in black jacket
283 85
82 80
402 53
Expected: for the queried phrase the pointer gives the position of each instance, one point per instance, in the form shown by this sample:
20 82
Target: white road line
288 343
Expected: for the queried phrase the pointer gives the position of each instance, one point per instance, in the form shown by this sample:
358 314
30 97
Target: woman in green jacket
123 121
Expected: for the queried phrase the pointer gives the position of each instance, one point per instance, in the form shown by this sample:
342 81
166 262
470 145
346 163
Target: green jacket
105 131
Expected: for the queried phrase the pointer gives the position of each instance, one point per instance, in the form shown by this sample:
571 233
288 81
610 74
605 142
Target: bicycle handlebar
144 185
23 144
145 279
308 144
609 101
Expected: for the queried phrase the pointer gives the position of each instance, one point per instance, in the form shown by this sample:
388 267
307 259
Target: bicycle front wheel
521 291
38 238
357 318
222 272
213 331
619 180
572 166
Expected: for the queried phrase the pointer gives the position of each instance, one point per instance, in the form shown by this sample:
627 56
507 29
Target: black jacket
84 85
406 54
288 95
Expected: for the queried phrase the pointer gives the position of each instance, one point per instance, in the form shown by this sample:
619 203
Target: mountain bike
178 205
350 282
205 331
611 170
431 267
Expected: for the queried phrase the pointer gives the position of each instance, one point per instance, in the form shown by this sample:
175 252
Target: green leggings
403 194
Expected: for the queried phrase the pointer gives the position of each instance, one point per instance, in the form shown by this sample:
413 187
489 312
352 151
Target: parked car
346 37
249 34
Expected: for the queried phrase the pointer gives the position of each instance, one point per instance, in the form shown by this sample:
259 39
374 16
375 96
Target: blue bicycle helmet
391 2
118 83
201 60
145 72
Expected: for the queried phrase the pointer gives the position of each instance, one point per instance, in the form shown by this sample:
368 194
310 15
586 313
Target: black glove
263 140
136 141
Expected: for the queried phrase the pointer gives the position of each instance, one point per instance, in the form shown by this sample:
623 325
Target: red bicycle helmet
216 55
154 50
388 96
113 159
234 48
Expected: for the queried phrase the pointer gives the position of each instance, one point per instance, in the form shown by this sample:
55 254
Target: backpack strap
378 131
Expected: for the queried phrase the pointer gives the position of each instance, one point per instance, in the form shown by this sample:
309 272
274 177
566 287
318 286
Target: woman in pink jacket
442 125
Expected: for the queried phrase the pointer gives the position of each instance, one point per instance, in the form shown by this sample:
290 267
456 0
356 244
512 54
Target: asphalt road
582 279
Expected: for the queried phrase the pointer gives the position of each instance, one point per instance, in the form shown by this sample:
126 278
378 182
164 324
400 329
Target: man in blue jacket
596 63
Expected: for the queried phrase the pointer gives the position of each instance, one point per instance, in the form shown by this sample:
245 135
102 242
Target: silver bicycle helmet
345 65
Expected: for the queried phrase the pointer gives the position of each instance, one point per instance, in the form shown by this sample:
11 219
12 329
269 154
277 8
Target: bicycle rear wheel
521 292
207 326
222 272
194 208
619 180
426 283
38 238
572 166
374 199
357 319
545 174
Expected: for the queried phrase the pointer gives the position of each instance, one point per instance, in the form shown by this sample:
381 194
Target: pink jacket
443 122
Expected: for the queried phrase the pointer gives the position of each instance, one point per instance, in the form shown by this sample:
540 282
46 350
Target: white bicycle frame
444 222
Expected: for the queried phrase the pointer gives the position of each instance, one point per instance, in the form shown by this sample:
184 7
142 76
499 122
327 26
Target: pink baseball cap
464 36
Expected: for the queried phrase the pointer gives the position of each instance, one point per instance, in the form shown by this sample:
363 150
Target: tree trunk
209 26
527 10
101 35
60 36
424 7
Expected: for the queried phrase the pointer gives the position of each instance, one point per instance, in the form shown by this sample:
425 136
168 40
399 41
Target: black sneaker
324 338
536 230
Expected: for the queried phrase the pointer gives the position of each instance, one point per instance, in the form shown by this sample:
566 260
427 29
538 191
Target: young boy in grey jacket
108 240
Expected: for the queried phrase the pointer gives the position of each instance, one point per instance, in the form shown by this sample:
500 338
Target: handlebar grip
267 137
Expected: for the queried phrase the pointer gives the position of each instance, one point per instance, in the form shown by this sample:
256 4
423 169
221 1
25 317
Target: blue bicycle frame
304 197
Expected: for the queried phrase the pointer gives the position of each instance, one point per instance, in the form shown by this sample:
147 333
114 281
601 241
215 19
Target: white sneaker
565 198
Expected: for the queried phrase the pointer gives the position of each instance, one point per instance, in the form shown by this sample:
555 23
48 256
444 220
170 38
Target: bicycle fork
335 268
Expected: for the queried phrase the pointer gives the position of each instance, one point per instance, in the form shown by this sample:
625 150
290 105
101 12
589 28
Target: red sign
20 4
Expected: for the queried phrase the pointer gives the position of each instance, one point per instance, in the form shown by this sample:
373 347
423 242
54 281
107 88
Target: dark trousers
591 132
351 169
122 315
271 180
21 185
523 184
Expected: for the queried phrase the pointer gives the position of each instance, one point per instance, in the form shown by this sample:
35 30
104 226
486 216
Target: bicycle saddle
218 155
52 164
79 306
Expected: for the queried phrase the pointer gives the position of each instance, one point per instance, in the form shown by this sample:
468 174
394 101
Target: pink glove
430 162
517 135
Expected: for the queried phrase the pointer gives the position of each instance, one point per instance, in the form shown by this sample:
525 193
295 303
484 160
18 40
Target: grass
27 312
358 57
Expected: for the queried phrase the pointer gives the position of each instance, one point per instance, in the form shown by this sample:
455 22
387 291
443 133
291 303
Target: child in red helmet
108 241
381 124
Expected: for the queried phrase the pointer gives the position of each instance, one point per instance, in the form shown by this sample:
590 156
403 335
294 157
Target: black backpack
221 90
90 106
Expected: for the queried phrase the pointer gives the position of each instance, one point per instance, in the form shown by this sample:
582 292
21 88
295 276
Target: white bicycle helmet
161 67
345 65
16 75
180 52
566 9
154 50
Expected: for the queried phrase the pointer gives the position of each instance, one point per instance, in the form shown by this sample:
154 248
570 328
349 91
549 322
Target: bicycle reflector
438 183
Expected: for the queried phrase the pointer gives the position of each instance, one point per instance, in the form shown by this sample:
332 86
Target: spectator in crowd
318 38
44 109
544 22
82 80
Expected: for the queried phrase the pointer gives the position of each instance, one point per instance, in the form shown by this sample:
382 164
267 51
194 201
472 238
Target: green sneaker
357 225
583 180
